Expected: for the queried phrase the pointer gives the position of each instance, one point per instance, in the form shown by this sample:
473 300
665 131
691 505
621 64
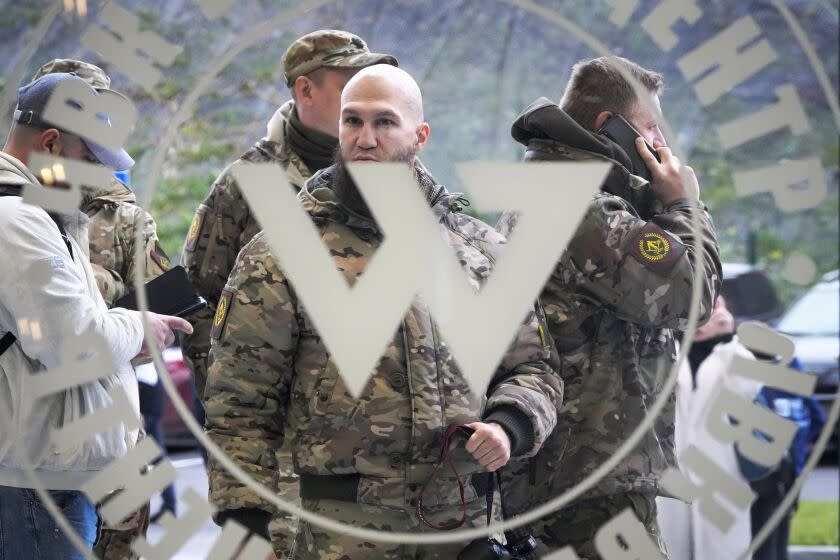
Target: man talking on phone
613 302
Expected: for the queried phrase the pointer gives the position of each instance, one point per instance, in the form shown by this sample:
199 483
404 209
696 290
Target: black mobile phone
617 129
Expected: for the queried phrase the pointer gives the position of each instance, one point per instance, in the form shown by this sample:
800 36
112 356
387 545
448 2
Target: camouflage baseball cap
329 48
92 74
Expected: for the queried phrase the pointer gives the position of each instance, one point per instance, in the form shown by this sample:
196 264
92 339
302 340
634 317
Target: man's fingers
665 155
475 442
491 458
472 443
178 324
495 460
644 153
486 450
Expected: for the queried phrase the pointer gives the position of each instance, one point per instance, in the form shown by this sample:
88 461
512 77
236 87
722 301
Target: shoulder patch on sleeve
656 249
195 228
220 318
159 257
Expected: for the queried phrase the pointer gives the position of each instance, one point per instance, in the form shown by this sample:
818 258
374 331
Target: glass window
816 314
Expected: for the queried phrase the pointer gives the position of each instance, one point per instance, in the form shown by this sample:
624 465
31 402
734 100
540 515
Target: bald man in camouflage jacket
364 461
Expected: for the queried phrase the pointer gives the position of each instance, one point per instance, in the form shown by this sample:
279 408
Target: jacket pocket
548 470
96 450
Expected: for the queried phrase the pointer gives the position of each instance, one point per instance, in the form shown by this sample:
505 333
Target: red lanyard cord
451 431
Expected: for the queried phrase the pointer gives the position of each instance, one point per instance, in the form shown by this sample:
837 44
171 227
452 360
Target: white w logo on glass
414 259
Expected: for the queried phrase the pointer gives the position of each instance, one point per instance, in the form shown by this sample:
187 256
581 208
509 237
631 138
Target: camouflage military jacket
114 217
222 225
619 291
270 366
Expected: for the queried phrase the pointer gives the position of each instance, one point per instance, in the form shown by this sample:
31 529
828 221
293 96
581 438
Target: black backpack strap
6 342
64 235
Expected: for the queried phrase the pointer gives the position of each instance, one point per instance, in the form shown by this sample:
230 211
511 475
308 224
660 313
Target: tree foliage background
479 63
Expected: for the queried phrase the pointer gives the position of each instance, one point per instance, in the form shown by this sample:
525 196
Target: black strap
495 479
64 235
490 487
6 342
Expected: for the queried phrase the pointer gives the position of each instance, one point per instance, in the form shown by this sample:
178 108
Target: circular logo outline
184 411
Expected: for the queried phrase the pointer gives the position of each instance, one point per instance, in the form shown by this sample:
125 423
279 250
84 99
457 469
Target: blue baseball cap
32 100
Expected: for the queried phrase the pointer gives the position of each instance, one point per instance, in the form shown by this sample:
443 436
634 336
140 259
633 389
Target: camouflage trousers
575 525
315 543
115 542
283 525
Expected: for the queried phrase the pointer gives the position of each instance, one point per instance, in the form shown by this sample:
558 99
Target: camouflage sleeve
507 222
112 249
528 380
156 261
213 242
643 271
109 283
254 339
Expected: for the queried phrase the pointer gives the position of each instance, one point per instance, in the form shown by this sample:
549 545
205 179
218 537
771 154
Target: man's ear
303 90
49 141
601 119
423 133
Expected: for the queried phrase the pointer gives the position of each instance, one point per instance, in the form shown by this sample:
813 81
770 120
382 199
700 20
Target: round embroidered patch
196 223
653 246
220 313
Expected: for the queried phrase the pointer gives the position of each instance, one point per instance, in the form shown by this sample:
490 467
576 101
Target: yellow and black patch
656 249
195 229
160 258
220 318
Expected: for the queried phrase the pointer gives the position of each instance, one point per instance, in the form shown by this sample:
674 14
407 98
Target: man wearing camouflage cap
301 138
114 217
113 212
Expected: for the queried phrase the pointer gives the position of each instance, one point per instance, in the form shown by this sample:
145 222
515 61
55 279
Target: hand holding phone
617 129
670 179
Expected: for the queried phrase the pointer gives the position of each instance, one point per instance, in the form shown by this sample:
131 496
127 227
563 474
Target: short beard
346 189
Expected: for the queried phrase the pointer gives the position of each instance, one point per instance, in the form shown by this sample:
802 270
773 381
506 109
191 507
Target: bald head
383 81
382 116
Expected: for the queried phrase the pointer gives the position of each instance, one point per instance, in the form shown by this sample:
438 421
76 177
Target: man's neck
314 147
20 155
311 122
